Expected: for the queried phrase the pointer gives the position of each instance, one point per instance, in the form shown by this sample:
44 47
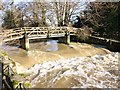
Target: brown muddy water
57 65
50 51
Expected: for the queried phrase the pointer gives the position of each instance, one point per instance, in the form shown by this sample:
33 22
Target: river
55 65
51 50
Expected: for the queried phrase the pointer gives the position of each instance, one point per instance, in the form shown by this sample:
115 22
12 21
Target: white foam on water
90 70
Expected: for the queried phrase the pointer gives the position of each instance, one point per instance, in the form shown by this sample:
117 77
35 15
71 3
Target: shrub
84 32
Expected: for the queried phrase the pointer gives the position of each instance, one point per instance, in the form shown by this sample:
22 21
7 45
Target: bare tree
103 17
1 5
37 13
65 10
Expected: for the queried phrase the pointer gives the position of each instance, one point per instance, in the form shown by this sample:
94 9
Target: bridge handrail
17 33
6 84
9 70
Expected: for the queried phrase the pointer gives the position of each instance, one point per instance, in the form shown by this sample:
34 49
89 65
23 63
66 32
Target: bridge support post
67 41
24 42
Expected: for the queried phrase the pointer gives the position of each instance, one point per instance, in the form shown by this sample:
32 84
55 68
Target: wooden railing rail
38 32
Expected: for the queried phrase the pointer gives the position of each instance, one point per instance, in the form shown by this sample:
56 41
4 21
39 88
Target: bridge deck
38 32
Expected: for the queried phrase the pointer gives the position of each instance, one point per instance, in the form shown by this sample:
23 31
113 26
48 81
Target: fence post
20 85
1 76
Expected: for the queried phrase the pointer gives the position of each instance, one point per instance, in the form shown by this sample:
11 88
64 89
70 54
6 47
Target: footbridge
24 34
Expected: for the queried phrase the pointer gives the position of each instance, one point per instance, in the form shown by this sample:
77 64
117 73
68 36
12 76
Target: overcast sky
16 1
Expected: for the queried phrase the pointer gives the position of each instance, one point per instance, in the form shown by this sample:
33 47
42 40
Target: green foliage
15 83
83 33
23 75
27 85
4 53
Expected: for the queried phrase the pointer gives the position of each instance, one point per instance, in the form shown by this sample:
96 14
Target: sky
16 1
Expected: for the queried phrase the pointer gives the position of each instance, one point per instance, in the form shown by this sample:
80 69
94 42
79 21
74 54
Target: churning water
51 64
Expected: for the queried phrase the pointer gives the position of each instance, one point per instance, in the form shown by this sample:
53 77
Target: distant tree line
39 13
102 17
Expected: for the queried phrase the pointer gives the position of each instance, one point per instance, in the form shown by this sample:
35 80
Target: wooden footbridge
27 33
